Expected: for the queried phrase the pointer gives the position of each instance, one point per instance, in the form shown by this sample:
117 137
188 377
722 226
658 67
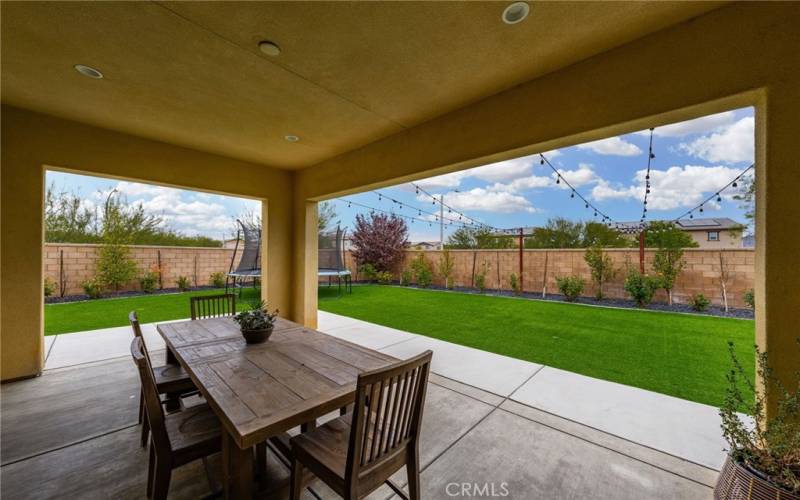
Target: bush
641 287
406 277
515 284
93 288
699 302
367 271
380 240
384 277
115 267
768 443
480 282
49 286
422 270
750 298
217 279
570 287
148 281
183 283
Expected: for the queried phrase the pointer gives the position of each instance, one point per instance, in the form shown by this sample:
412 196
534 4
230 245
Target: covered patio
189 95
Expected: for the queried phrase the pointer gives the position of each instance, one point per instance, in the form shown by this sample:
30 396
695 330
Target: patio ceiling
191 74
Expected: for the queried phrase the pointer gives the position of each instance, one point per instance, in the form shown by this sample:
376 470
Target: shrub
384 277
93 288
570 287
380 241
217 279
480 282
515 284
699 302
750 298
406 277
446 265
602 268
49 286
183 283
115 266
640 287
770 445
422 270
148 281
367 271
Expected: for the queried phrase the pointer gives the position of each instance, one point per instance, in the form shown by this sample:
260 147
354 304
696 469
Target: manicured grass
105 313
677 354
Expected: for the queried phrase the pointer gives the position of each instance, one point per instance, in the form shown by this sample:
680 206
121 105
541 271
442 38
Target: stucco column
21 303
777 235
304 290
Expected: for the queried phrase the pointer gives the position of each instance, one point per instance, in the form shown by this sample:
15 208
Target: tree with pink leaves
380 240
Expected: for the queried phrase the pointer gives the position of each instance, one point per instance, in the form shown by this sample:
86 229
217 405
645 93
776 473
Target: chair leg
412 471
162 479
141 407
261 463
296 488
145 430
151 469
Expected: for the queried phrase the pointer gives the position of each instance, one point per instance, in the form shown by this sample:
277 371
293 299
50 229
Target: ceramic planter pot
737 482
256 336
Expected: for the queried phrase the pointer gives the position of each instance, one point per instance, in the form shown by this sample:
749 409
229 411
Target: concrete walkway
683 429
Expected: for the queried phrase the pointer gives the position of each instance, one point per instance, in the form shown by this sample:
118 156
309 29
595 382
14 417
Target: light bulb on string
735 184
719 198
572 194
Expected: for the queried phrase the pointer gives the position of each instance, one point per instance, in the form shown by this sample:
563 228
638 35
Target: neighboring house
230 243
424 245
719 232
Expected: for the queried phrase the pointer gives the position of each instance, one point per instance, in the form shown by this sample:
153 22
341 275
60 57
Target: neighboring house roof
424 244
749 241
707 224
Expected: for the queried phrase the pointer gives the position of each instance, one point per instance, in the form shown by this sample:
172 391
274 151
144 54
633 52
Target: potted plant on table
257 323
764 456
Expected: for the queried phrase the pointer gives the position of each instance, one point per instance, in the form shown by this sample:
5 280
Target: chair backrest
387 416
251 250
133 319
213 306
152 402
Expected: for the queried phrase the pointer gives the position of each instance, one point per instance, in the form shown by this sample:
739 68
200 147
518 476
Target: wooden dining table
260 391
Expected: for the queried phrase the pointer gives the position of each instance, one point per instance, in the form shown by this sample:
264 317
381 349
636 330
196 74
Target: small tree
115 267
380 240
422 270
446 265
602 268
668 264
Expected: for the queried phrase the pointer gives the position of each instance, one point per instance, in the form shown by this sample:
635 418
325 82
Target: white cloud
731 144
483 200
676 187
583 175
612 146
522 184
702 125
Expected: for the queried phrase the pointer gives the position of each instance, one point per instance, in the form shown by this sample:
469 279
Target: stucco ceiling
350 73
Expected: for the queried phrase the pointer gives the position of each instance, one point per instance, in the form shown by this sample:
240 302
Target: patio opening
614 271
114 246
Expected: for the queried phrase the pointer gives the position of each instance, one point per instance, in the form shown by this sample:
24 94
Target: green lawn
676 354
105 313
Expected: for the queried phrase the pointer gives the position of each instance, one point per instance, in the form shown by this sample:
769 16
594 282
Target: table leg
171 359
237 468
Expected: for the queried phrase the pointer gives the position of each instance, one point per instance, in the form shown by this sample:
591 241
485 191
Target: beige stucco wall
740 55
32 142
727 239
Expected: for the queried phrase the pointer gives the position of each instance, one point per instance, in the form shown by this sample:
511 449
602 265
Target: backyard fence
69 265
702 274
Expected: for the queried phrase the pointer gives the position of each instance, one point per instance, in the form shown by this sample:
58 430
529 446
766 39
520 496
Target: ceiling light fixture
269 48
88 71
516 12
292 138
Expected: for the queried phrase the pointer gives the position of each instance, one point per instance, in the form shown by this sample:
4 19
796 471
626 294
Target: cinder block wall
700 275
79 261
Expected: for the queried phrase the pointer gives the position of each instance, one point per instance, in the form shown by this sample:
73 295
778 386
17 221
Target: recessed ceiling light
516 12
88 71
291 138
269 48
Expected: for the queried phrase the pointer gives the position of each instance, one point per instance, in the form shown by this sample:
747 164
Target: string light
734 183
650 157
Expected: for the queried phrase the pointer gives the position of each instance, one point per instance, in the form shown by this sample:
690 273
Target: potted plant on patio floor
257 323
764 455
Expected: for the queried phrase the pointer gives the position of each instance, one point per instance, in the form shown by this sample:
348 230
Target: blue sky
693 160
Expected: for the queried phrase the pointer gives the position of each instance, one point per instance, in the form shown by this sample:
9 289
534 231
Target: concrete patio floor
530 430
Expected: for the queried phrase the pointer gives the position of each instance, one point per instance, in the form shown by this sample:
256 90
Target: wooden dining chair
170 380
356 453
213 306
178 438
